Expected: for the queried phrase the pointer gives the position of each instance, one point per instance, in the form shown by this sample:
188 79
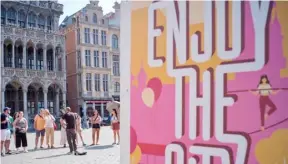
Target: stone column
16 100
64 61
102 110
57 103
2 54
3 99
92 58
101 86
25 103
45 58
92 84
84 107
45 92
24 57
64 99
93 106
45 24
84 83
36 100
54 59
13 56
83 58
35 60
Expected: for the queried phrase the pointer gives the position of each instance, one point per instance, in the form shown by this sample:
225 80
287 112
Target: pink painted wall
155 125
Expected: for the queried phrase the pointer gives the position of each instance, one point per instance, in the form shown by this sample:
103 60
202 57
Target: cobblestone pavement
104 153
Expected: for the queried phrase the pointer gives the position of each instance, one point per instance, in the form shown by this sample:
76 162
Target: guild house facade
92 49
33 71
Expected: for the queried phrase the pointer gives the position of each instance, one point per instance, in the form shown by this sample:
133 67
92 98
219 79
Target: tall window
94 18
105 83
78 36
116 87
21 18
97 82
95 36
41 22
88 81
96 58
49 23
87 58
3 15
86 34
50 60
11 16
79 59
30 58
103 37
114 41
40 59
8 56
19 57
32 19
86 18
104 60
116 70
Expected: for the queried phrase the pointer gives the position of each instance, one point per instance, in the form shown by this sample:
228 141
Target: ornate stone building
92 48
33 73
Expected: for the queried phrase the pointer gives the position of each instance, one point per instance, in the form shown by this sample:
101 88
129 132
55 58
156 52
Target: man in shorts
5 131
39 126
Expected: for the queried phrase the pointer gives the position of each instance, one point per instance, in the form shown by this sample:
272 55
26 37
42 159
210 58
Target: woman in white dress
63 140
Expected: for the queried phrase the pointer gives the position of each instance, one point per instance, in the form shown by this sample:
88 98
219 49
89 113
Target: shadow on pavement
33 150
98 147
52 156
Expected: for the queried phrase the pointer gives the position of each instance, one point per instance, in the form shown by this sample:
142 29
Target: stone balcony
32 33
28 73
44 4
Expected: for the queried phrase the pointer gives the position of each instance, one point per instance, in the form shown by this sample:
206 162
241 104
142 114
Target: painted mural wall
209 82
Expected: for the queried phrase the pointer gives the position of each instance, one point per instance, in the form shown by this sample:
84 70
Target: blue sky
71 6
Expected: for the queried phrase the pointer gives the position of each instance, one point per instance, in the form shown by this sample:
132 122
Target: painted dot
148 97
156 85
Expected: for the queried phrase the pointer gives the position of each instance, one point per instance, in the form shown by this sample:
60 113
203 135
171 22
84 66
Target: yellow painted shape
282 12
135 157
274 149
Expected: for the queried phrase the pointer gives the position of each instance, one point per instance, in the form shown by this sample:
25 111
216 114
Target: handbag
55 126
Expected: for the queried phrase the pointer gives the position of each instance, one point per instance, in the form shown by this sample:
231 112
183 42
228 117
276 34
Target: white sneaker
25 151
17 151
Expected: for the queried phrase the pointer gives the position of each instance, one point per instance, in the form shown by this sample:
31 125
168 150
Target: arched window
3 15
21 18
114 41
11 15
86 18
32 19
73 20
41 21
116 87
94 18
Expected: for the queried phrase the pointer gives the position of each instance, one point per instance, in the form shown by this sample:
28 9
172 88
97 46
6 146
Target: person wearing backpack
39 126
21 127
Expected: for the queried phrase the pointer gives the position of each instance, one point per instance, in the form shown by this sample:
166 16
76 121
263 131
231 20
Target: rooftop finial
94 2
116 5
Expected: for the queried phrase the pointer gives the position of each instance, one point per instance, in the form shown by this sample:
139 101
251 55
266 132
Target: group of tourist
44 124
